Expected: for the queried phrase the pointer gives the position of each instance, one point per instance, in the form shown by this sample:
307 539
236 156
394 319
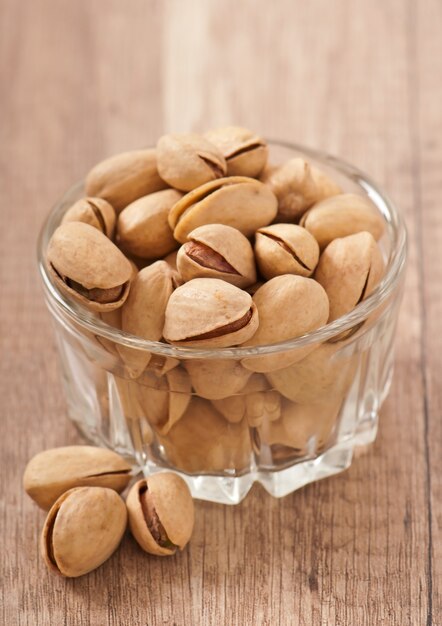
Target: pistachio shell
349 270
124 177
245 153
288 306
87 266
161 513
52 472
216 378
297 187
209 312
244 203
285 249
255 402
203 441
83 529
343 215
143 229
217 251
324 374
171 259
306 428
188 160
94 211
143 313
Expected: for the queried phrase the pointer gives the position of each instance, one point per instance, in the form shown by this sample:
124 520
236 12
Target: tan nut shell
52 472
205 305
83 254
244 203
94 211
297 186
288 306
82 530
245 153
324 374
349 270
255 402
232 245
188 160
203 441
143 313
216 378
343 215
285 249
143 229
124 177
174 507
304 427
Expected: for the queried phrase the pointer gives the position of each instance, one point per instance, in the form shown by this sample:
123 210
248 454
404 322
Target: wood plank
80 82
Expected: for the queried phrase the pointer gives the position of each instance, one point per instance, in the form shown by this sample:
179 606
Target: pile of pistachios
202 242
87 518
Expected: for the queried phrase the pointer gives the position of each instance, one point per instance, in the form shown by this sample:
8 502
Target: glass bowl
201 413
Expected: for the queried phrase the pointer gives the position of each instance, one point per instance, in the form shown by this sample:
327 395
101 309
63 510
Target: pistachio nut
86 265
277 301
203 441
82 530
187 160
216 378
244 203
143 313
161 513
342 215
349 270
112 318
303 428
171 259
217 251
297 187
245 153
124 177
52 472
255 402
94 211
285 249
160 365
143 229
324 374
209 312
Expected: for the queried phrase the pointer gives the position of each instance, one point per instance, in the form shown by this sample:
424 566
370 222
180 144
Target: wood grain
81 80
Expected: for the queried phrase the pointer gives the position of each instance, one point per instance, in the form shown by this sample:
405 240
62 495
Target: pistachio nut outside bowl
223 418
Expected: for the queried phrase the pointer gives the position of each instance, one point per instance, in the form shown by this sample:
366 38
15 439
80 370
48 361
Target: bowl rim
61 305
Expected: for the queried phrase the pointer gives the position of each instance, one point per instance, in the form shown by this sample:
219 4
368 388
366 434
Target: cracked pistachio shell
161 513
203 441
208 312
82 530
188 160
244 203
216 378
245 153
343 215
255 402
285 249
94 211
288 307
52 472
143 229
349 270
323 375
124 177
87 266
303 427
143 312
297 185
217 251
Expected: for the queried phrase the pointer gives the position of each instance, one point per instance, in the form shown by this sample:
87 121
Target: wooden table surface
82 80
